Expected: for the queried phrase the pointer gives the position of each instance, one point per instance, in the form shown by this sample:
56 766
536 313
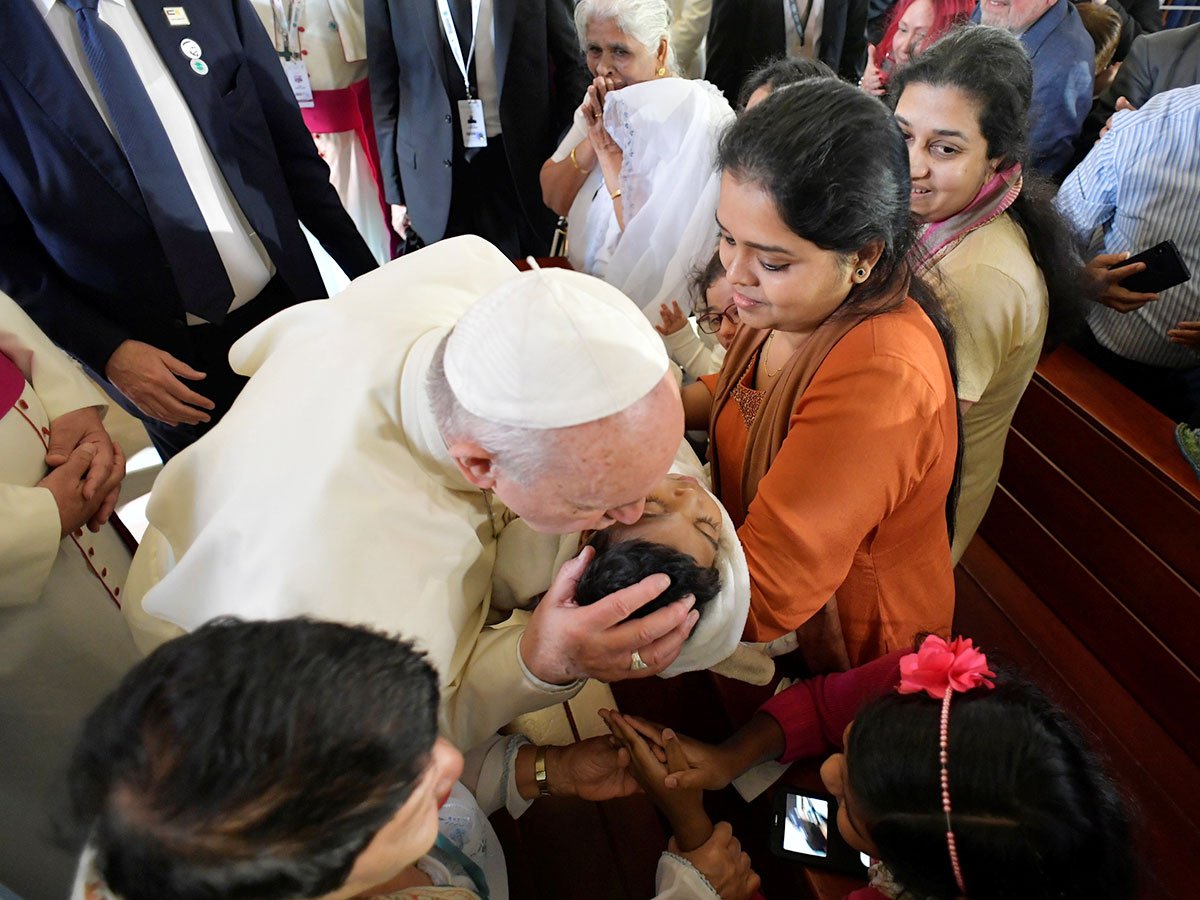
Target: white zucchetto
552 348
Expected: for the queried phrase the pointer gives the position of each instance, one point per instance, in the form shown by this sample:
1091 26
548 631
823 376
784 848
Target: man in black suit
743 34
1156 63
524 71
154 171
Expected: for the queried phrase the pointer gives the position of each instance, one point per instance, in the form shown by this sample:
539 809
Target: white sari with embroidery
668 130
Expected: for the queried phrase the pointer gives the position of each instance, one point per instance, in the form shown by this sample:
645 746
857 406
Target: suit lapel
504 14
202 94
31 53
431 27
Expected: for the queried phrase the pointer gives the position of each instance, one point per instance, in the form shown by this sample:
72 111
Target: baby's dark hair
780 72
1034 814
701 279
619 564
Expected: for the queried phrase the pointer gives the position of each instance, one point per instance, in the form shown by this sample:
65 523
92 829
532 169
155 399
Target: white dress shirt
812 30
246 260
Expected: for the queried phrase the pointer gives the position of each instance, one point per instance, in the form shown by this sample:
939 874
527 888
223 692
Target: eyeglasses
710 322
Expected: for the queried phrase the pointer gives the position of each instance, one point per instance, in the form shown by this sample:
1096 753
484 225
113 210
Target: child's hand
684 808
721 860
595 769
706 767
673 318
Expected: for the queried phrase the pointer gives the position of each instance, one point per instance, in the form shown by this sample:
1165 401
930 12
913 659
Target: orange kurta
855 501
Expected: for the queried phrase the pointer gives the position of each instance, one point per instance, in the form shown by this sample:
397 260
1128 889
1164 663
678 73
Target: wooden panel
1166 604
1136 658
999 610
1122 413
1152 505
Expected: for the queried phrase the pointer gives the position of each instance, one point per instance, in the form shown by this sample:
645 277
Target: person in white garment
636 174
361 800
387 438
322 46
63 643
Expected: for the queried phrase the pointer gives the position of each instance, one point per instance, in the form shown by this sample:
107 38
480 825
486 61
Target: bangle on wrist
615 194
539 772
575 163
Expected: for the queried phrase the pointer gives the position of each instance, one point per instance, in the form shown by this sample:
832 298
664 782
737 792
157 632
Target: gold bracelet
576 164
539 772
615 194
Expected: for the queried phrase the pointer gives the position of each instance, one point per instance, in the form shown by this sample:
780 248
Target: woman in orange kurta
833 423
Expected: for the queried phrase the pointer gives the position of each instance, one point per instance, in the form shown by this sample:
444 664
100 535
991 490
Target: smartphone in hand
1165 268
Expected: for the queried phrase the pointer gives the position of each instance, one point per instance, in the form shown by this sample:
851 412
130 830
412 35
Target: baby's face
680 514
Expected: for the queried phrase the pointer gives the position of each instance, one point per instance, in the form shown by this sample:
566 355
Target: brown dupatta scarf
820 638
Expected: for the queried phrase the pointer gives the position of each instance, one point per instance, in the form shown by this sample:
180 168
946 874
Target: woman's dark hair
781 71
1034 814
991 67
833 160
701 279
252 759
619 564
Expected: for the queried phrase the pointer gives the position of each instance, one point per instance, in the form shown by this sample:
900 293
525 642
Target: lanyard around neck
287 25
452 38
800 23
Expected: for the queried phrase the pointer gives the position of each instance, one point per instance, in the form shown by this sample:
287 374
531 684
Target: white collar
48 5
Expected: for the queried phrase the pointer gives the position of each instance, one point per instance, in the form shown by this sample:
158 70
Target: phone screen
806 830
806 826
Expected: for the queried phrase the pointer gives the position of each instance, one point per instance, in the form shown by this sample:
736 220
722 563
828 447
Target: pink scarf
936 239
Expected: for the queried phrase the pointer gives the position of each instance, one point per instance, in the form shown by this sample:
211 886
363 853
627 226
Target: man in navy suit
154 172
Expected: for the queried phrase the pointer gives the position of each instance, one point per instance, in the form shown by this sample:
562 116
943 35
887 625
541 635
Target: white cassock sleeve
30 528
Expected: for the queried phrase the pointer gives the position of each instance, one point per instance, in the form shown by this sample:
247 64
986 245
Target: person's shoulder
902 341
996 254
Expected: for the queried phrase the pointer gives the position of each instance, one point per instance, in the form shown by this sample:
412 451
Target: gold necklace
767 350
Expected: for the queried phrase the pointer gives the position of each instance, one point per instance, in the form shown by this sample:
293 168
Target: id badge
297 76
470 117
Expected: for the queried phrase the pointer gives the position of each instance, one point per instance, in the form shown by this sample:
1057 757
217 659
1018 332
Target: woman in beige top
1007 265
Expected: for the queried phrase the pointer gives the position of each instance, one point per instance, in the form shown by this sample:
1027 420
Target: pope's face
602 471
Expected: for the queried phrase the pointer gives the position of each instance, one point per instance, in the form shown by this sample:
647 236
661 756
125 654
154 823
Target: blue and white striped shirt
1141 185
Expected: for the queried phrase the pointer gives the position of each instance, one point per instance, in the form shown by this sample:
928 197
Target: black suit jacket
77 248
1156 63
541 78
743 34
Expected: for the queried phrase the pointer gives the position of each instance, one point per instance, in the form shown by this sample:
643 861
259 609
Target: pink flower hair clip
939 668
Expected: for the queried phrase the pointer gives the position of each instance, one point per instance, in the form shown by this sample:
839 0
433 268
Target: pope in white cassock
386 438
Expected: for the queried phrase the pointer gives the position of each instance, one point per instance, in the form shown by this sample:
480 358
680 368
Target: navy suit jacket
77 248
541 77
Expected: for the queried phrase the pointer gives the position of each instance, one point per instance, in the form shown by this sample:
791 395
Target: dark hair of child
620 564
252 759
701 279
780 72
1033 813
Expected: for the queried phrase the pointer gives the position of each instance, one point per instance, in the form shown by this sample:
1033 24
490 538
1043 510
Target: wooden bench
1085 573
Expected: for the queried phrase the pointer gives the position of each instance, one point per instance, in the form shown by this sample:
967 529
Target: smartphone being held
805 830
1165 268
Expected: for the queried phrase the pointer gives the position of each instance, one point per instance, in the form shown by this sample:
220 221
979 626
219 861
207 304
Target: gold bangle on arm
615 194
575 162
539 772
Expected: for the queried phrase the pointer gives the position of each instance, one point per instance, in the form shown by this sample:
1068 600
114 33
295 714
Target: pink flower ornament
939 665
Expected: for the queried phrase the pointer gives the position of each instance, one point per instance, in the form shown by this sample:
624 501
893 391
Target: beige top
333 41
997 299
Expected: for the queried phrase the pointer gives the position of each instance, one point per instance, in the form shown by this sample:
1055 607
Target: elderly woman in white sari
635 174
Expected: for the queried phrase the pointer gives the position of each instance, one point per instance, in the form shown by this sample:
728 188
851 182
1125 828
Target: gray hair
646 21
522 453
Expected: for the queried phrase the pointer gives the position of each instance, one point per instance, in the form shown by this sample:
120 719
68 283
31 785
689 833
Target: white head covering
722 620
553 348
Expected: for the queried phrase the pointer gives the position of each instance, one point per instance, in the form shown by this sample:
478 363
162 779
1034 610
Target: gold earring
662 70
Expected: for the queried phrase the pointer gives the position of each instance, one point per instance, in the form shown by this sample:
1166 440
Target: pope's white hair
521 453
646 21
